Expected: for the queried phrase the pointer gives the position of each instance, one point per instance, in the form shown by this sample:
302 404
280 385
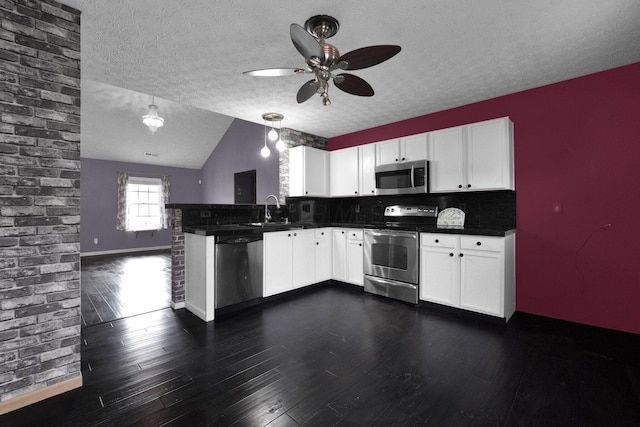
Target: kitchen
572 263
289 259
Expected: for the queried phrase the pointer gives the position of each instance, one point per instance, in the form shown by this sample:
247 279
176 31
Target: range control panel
401 210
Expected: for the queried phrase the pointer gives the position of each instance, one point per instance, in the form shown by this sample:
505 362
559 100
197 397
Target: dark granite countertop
236 229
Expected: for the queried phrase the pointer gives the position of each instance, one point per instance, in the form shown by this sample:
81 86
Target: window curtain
164 199
123 179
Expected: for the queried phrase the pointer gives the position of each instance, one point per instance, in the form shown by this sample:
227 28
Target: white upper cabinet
343 180
490 155
446 166
406 149
474 157
308 172
367 169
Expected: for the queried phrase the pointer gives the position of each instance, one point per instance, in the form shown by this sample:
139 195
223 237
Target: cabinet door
387 151
490 155
367 158
414 147
440 275
446 160
316 172
344 172
303 265
481 282
339 255
355 255
322 255
296 171
277 257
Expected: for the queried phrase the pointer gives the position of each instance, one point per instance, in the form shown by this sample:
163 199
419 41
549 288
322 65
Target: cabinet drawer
322 233
482 243
355 234
438 240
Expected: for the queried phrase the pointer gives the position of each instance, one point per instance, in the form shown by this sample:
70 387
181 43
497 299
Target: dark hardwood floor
117 286
332 355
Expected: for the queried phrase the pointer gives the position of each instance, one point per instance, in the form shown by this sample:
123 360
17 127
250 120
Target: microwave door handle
413 184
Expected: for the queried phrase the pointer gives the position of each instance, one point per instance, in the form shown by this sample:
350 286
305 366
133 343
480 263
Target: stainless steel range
391 266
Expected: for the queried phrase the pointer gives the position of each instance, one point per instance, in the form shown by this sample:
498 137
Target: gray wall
239 151
99 202
39 197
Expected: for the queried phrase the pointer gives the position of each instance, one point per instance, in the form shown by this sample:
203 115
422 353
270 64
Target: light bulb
265 151
272 135
280 145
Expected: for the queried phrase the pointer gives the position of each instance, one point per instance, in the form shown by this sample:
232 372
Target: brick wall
39 195
177 258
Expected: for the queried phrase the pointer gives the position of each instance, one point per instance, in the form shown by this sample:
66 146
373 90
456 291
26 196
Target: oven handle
391 282
392 234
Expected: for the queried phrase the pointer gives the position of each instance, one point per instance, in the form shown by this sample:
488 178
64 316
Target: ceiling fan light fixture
152 120
322 59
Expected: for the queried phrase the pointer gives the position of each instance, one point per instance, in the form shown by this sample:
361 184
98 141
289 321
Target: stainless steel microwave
403 178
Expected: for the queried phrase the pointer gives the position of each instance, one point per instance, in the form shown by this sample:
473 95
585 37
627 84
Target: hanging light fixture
152 120
265 152
280 146
273 135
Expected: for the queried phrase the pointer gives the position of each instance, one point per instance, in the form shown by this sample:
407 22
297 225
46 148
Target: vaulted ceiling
191 54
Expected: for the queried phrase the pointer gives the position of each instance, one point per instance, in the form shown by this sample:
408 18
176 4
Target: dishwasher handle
238 240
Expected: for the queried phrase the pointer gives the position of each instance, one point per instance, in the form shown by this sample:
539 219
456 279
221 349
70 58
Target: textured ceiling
455 52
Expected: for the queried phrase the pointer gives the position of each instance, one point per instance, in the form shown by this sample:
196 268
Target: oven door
391 255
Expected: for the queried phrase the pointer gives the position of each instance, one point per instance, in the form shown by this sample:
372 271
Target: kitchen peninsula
327 246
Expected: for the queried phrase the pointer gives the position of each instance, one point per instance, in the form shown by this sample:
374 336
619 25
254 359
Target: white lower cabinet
278 261
355 255
295 258
475 273
440 269
199 275
322 254
348 255
303 258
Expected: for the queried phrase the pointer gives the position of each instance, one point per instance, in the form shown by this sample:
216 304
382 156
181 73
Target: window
141 203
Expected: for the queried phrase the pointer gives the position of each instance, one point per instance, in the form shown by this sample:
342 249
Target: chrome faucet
267 215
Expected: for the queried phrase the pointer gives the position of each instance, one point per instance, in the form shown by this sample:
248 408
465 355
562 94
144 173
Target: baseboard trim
40 394
177 305
125 251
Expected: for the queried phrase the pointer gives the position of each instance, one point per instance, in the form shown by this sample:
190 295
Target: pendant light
273 135
265 152
152 120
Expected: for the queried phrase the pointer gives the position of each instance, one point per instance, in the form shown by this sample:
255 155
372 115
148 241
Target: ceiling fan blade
306 91
353 85
369 56
276 72
306 44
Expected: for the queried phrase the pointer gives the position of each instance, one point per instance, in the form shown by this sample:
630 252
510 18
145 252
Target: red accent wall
577 145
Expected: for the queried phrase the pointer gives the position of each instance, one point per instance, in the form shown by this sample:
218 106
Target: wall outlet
95 240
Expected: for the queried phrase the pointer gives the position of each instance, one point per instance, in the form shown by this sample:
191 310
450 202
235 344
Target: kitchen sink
286 225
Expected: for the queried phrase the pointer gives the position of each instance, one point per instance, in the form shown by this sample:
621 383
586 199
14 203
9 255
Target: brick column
39 199
177 259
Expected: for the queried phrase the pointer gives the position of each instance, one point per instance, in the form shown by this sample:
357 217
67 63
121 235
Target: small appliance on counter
450 218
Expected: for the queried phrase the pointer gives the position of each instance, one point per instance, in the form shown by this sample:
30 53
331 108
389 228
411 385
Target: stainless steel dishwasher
238 270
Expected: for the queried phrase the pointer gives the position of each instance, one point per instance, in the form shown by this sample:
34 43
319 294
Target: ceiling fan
322 59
